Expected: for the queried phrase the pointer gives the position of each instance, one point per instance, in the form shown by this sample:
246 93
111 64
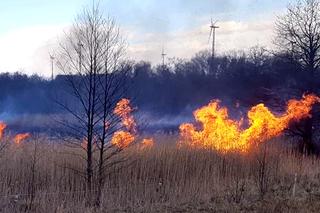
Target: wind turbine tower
52 61
163 55
213 28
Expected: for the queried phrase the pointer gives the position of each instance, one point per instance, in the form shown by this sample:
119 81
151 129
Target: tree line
245 78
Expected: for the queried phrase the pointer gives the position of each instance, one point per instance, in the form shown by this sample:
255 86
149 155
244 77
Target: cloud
26 49
232 35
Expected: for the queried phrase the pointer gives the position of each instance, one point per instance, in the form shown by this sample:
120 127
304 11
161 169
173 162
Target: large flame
3 126
124 110
123 138
220 133
21 137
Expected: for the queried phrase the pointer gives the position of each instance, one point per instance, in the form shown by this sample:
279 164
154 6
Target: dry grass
163 179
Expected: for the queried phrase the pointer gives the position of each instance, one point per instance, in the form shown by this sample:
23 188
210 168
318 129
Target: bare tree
298 32
91 57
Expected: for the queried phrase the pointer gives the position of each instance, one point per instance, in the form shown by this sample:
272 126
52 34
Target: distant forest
239 78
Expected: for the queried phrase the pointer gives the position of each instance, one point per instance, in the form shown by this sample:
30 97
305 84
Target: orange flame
124 110
21 137
3 126
147 143
221 133
122 138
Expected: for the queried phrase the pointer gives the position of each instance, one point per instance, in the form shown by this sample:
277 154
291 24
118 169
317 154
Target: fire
122 138
21 137
147 143
124 110
3 126
220 133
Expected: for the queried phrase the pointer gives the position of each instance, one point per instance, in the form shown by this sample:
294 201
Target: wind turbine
213 28
163 54
52 61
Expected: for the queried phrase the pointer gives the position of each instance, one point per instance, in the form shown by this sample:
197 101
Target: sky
31 29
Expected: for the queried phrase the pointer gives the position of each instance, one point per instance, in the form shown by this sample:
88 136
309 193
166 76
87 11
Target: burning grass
219 132
220 166
162 178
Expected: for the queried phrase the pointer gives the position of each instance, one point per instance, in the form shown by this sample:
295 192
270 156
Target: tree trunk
307 146
100 177
89 174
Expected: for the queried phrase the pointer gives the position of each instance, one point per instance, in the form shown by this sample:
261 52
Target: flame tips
220 133
123 138
3 126
21 137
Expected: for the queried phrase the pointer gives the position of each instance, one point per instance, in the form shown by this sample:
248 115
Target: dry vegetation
34 178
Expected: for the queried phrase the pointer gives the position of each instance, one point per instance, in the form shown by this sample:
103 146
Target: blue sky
29 27
24 13
151 14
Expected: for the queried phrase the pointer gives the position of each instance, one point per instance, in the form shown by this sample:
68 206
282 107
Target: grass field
34 178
